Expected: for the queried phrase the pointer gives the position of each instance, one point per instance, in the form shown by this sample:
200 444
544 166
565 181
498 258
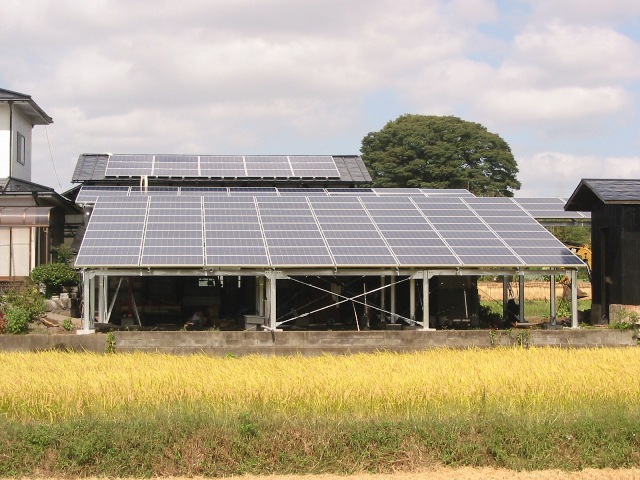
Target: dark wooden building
615 235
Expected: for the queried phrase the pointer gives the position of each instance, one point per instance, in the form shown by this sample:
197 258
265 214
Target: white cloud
586 10
556 105
557 174
240 76
569 54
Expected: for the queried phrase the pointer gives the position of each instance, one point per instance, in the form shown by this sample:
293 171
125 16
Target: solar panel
548 208
222 166
233 233
314 166
258 228
348 216
90 193
114 233
176 166
204 191
166 191
129 165
282 220
173 232
453 192
268 166
510 221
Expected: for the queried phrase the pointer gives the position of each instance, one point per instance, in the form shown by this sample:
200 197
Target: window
21 149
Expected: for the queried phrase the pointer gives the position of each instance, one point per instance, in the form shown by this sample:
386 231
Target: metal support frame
425 301
266 304
505 297
521 298
260 295
574 298
392 294
343 299
553 310
412 298
272 318
89 295
103 291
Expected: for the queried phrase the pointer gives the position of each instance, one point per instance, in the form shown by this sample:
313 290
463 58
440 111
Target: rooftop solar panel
129 165
176 166
211 166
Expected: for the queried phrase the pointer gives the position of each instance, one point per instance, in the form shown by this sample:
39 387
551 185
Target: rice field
542 382
153 415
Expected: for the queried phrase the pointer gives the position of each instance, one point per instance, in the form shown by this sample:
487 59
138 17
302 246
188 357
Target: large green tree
440 152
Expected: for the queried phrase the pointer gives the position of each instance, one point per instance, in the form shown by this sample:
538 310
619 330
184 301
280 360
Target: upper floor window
21 149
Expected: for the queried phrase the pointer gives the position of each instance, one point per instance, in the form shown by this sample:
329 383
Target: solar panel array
90 193
549 208
253 230
228 168
539 208
220 166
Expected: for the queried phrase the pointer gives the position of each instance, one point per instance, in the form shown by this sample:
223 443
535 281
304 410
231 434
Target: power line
51 156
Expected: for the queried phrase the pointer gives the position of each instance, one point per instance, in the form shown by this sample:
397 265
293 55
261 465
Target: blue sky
558 80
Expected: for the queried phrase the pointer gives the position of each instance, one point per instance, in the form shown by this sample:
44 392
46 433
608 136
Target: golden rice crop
546 381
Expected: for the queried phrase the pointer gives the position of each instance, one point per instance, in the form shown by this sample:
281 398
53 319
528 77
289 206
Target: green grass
534 308
179 442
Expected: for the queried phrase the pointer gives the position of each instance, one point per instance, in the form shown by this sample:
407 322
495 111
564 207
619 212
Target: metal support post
102 298
260 294
425 301
412 299
383 304
393 299
521 298
574 299
88 297
505 297
552 301
271 299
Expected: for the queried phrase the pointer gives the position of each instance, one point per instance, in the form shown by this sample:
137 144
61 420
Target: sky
559 80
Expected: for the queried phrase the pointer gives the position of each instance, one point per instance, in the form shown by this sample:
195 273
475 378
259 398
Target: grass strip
181 442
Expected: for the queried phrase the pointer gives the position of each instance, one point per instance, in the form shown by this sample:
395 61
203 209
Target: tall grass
149 415
543 382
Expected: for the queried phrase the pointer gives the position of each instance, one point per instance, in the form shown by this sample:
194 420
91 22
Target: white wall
23 125
5 137
9 143
16 251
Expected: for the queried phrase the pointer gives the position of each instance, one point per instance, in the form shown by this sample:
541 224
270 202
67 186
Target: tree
440 152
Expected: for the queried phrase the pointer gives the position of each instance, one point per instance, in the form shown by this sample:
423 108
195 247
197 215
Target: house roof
26 105
11 188
105 168
591 192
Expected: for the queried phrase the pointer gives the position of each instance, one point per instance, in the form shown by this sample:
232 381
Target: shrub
17 319
54 276
26 296
625 320
64 254
3 322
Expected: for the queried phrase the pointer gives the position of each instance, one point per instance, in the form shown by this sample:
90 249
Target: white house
32 216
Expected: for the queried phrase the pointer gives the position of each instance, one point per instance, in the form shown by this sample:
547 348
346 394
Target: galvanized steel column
574 299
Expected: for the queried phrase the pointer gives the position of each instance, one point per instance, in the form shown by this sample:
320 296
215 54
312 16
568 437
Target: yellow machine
584 252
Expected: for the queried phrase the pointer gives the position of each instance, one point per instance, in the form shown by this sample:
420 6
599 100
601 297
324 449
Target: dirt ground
456 474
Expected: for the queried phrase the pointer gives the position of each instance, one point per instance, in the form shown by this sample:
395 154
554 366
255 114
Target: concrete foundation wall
315 343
